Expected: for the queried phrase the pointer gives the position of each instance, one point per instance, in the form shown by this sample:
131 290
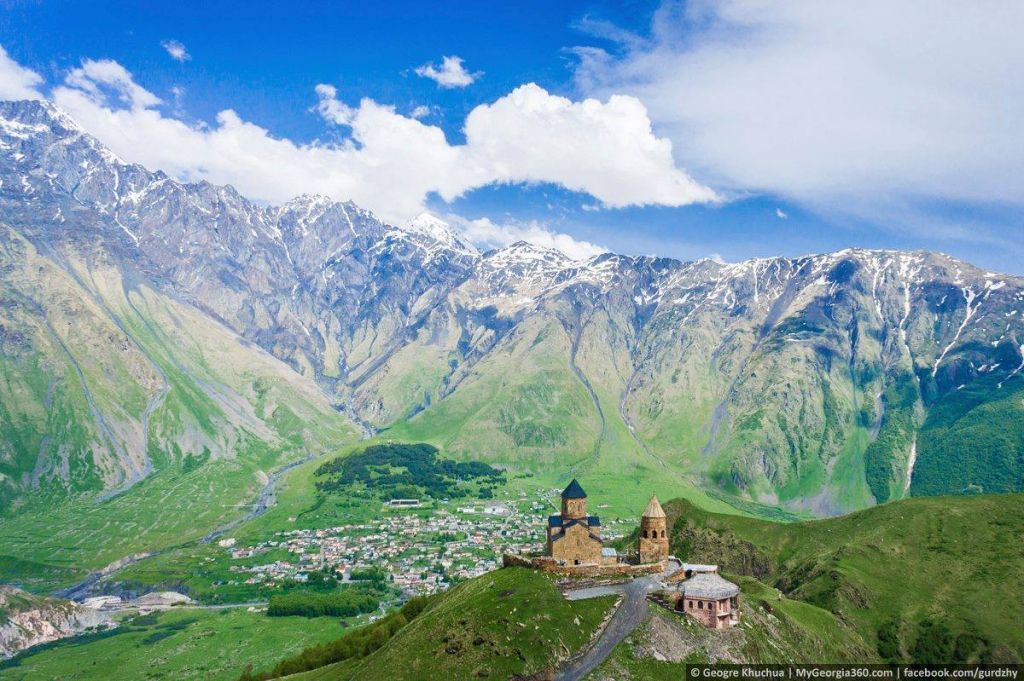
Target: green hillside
909 581
130 421
511 621
526 408
945 568
973 441
774 631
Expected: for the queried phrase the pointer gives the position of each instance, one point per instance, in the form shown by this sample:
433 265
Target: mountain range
178 338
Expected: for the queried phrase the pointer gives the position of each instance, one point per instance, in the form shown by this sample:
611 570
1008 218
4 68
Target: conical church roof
574 491
654 509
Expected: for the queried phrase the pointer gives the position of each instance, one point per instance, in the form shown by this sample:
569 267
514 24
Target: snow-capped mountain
824 382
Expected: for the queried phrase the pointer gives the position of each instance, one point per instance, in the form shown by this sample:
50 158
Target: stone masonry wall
546 564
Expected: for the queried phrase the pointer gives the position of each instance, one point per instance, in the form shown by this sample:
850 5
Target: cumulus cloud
420 111
781 214
176 49
98 78
16 81
487 234
606 149
451 73
388 162
875 102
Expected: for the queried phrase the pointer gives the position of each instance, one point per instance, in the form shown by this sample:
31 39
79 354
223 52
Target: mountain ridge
802 382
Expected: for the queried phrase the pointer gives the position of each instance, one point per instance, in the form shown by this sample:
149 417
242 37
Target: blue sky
793 128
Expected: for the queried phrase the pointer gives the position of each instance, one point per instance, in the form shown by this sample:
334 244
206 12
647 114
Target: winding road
632 611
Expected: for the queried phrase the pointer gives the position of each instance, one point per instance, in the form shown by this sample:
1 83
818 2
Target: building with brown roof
652 545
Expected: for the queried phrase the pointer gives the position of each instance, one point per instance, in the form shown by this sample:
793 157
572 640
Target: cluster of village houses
426 551
422 552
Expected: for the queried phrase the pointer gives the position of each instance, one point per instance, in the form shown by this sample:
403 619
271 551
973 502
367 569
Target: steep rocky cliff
27 620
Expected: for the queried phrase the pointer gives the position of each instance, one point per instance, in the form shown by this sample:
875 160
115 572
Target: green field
182 644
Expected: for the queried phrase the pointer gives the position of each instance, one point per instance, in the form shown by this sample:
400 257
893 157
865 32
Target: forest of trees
972 441
894 437
392 471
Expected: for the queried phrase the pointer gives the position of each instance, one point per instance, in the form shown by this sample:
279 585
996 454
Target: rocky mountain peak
432 228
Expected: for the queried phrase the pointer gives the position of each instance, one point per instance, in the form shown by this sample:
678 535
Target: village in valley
422 546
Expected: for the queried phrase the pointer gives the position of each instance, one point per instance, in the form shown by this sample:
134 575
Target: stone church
574 537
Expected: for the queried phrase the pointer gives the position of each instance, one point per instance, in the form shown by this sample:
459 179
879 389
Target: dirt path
631 613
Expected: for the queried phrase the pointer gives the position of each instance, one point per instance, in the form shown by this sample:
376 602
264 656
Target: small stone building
574 538
710 599
653 542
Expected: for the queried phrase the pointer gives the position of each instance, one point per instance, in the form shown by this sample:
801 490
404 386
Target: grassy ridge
511 621
951 560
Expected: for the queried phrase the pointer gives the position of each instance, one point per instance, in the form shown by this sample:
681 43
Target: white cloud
842 103
421 111
781 214
487 234
388 162
97 78
606 149
176 49
16 81
451 73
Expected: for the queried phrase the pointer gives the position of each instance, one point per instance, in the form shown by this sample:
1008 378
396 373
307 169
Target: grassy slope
772 631
955 558
223 414
525 408
511 621
180 644
991 419
521 406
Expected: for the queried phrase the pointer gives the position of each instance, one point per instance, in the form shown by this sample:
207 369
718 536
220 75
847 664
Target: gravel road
631 613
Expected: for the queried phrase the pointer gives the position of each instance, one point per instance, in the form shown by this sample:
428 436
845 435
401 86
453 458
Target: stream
264 502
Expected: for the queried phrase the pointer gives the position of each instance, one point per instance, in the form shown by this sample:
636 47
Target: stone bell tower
574 501
653 543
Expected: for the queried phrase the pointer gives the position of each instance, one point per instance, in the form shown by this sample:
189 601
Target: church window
700 605
645 534
663 534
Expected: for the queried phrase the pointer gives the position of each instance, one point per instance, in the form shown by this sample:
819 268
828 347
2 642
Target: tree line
355 644
347 603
